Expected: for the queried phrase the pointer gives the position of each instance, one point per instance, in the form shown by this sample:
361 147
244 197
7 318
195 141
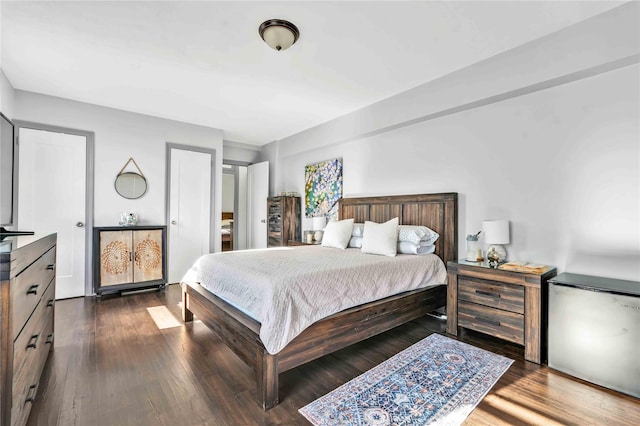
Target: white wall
546 136
236 152
6 96
118 136
228 192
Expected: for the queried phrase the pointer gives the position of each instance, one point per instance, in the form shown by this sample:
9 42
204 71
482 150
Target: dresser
27 303
283 220
505 304
129 258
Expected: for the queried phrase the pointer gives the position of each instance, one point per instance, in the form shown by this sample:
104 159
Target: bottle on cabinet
474 252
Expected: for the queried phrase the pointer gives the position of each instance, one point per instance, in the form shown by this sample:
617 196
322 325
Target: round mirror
131 185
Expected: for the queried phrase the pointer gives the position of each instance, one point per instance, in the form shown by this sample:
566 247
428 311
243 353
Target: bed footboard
241 333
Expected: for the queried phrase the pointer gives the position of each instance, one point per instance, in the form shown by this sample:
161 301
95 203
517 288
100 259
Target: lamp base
496 255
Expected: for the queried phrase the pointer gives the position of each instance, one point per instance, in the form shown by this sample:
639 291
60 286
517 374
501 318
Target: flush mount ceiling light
278 33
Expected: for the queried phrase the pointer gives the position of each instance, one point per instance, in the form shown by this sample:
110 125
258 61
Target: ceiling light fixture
279 34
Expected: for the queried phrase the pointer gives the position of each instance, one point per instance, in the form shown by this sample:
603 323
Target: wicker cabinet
283 220
129 258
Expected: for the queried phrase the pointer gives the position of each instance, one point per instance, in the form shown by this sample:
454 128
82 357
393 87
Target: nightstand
291 243
505 304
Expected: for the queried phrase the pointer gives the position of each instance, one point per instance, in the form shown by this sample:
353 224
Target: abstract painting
323 188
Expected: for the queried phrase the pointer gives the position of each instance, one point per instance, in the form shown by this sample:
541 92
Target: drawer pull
489 321
31 394
49 339
33 341
50 303
51 267
33 289
488 293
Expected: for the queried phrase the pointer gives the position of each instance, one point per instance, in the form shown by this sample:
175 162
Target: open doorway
234 207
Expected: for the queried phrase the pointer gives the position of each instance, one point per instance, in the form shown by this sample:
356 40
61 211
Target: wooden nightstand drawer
503 324
490 293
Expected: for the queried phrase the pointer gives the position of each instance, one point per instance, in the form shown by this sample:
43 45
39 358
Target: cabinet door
115 258
274 218
148 256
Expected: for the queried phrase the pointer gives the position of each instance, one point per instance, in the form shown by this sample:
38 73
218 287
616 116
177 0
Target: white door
190 213
52 198
257 194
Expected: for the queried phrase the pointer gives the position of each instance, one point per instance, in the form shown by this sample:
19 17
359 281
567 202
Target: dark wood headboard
436 211
227 215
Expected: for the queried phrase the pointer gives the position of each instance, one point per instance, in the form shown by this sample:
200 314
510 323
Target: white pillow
405 247
337 234
380 238
417 234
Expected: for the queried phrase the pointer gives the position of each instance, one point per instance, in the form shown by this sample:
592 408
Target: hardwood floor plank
113 365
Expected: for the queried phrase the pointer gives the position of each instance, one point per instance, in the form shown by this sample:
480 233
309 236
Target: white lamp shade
496 231
319 223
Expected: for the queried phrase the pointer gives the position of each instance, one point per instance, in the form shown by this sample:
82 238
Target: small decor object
436 381
309 237
520 266
278 33
131 185
474 253
323 188
128 219
496 232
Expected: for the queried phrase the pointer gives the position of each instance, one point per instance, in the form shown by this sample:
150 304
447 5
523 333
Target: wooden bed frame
242 333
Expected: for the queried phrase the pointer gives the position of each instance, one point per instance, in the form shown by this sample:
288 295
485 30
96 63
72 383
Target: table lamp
496 233
319 222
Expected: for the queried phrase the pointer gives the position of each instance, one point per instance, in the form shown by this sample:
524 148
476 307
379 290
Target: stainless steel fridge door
595 336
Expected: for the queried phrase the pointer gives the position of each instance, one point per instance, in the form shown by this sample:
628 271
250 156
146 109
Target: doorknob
173 222
264 221
80 224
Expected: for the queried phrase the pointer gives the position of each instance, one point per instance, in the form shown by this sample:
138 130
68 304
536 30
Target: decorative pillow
337 234
355 242
358 229
406 247
417 234
380 238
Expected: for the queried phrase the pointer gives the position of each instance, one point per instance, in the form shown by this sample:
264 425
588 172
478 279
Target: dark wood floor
114 365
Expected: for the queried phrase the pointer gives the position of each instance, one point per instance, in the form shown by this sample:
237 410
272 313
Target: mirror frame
133 196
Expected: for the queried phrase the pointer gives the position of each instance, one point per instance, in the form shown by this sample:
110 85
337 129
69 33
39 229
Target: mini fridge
594 330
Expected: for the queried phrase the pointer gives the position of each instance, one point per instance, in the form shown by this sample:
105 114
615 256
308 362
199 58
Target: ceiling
204 62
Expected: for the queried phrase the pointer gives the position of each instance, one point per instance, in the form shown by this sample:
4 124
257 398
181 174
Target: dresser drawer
497 322
26 378
35 332
490 293
28 288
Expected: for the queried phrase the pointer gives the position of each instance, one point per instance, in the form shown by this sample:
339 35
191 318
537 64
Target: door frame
89 185
215 221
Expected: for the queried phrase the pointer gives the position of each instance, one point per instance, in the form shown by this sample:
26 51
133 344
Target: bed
227 231
238 330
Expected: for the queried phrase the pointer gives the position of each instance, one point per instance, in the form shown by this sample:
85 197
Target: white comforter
288 289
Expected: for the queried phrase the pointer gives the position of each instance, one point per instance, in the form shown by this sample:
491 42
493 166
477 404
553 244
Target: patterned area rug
437 381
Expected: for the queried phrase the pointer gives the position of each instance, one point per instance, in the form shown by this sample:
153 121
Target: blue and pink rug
437 381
